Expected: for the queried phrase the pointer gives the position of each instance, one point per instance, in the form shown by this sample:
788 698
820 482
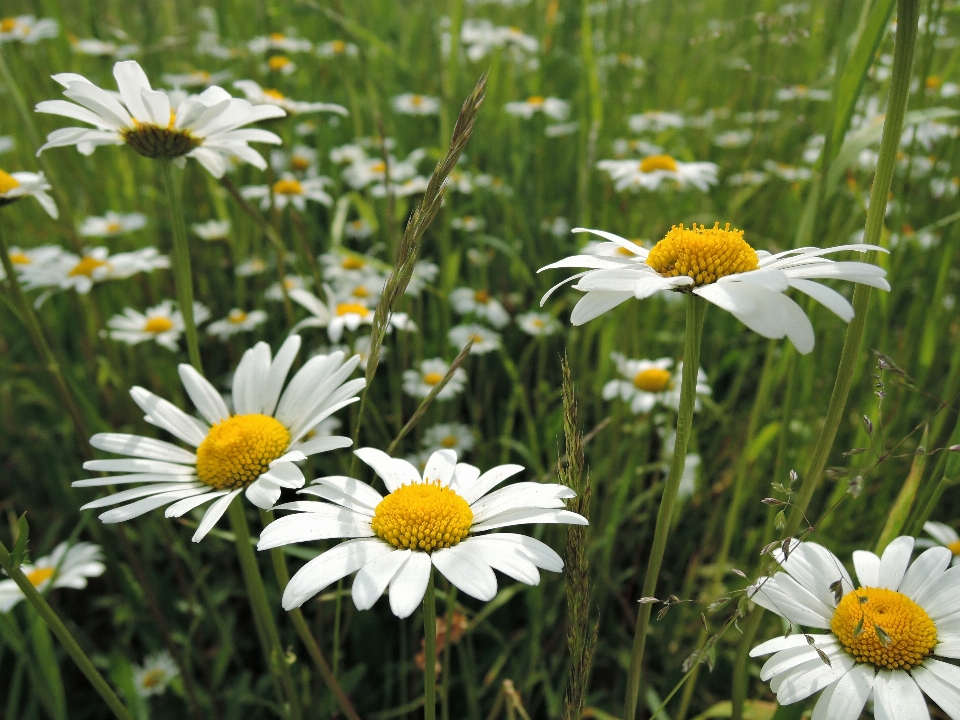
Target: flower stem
266 627
181 261
429 652
696 310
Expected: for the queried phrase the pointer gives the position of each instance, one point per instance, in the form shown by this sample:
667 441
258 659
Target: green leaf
23 536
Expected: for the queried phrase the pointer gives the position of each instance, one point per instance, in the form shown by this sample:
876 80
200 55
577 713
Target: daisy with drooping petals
943 535
206 127
420 383
153 677
720 266
885 633
237 321
267 97
413 104
14 186
160 323
65 567
653 170
112 224
424 522
251 450
550 106
288 190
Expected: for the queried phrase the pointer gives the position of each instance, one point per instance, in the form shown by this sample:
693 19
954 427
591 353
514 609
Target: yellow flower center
933 82
536 100
482 297
352 309
290 283
237 316
884 627
954 547
352 263
154 141
152 678
18 258
338 46
652 380
278 62
40 575
416 100
87 266
360 291
704 254
158 325
538 323
356 225
7 183
378 167
432 378
114 227
423 517
277 37
7 24
273 94
287 187
240 449
658 162
449 441
299 162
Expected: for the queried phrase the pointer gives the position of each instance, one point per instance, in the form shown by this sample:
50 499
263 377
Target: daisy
20 258
733 138
280 64
414 186
205 127
484 340
14 186
550 106
413 104
112 224
160 323
252 450
481 304
337 48
719 266
884 635
212 230
423 522
802 92
424 273
96 265
301 159
646 385
101 48
650 173
943 535
449 436
342 314
153 677
237 321
290 282
786 172
278 41
27 29
364 170
420 382
251 266
538 324
468 223
750 178
288 190
561 129
196 78
358 229
65 567
558 226
7 143
267 97
342 264
656 121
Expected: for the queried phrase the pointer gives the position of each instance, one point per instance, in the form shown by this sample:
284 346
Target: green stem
266 627
448 626
429 652
181 261
69 642
696 310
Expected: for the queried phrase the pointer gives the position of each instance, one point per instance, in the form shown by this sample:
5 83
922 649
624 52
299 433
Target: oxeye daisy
267 97
413 104
484 339
650 382
281 64
14 186
943 535
423 522
206 127
656 121
196 78
538 324
27 29
212 230
290 282
650 173
21 258
251 450
481 304
279 41
337 48
550 106
720 266
112 224
95 265
885 633
160 323
237 321
153 677
288 190
420 382
449 436
66 566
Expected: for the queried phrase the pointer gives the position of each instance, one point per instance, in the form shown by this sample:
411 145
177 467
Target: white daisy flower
884 637
212 230
96 265
449 436
424 273
481 304
336 317
27 29
364 170
414 186
786 172
160 323
647 383
153 677
20 258
484 339
112 224
288 190
802 92
651 172
721 267
14 186
337 48
358 229
748 177
468 223
290 282
252 450
278 41
656 121
237 321
267 97
103 48
206 127
251 266
413 104
550 106
558 226
761 116
7 143
943 535
281 64
561 129
424 522
538 324
301 159
342 264
733 138
622 148
671 396
196 78
420 382
65 567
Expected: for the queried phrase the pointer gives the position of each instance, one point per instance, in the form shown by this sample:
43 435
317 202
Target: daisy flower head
339 314
212 230
484 339
420 382
337 48
288 190
280 42
280 64
237 321
21 258
154 676
251 450
413 104
884 635
942 535
290 282
721 267
112 224
647 383
96 265
656 121
358 229
206 127
480 304
538 324
651 172
160 323
274 98
67 566
196 78
27 29
7 143
14 186
468 223
103 48
301 159
251 266
550 106
449 436
424 273
425 521
802 92
733 138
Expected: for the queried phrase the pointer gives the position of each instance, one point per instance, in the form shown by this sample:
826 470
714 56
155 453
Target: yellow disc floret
954 547
658 162
652 380
240 449
423 517
40 575
884 627
87 266
7 182
704 254
158 325
432 378
288 186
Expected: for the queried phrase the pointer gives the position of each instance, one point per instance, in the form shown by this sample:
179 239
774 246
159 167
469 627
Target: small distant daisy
335 317
481 304
550 106
160 323
337 48
66 566
7 143
538 324
733 138
14 186
413 104
364 170
27 29
278 41
424 273
420 382
424 522
358 229
280 64
251 266
802 92
413 186
290 282
761 116
288 190
646 385
449 436
103 48
484 339
251 450
112 224
342 264
212 230
558 227
786 172
261 96
653 170
943 535
237 321
747 178
36 257
96 265
884 636
153 677
468 223
196 78
561 129
656 121
301 159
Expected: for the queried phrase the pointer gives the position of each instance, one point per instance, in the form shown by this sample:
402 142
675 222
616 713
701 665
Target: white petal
488 481
361 493
464 476
894 561
466 571
440 467
786 660
143 447
941 682
284 474
735 298
844 700
205 397
278 374
157 104
816 569
178 509
525 516
374 577
158 467
128 512
828 297
897 697
308 526
336 563
791 641
263 493
813 676
247 380
324 444
385 468
786 597
134 478
520 495
213 514
944 534
639 251
131 81
595 303
767 278
134 493
409 584
867 566
936 597
506 557
168 416
540 554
